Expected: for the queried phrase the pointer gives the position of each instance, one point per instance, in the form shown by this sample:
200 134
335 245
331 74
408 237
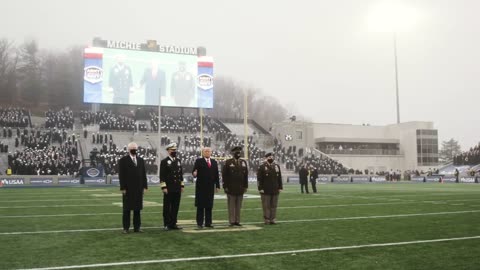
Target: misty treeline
38 78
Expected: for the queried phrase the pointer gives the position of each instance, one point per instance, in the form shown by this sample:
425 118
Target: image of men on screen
155 84
183 87
120 81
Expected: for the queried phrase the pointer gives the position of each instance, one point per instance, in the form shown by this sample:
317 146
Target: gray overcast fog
318 57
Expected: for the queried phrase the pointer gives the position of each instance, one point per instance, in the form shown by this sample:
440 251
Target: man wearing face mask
235 184
269 181
133 184
171 182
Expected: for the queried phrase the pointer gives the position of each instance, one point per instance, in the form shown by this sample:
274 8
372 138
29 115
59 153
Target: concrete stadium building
405 146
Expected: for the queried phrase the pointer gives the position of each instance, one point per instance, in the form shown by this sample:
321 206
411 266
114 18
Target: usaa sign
12 181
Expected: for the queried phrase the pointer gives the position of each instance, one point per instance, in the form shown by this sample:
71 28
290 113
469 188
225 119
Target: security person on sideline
313 178
235 184
171 181
303 177
269 181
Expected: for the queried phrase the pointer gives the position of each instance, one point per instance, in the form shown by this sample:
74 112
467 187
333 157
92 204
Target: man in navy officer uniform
120 81
171 182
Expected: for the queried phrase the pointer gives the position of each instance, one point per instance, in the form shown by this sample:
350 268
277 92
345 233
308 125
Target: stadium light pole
245 123
393 17
396 74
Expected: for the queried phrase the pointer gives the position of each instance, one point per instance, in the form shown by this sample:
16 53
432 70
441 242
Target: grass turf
339 215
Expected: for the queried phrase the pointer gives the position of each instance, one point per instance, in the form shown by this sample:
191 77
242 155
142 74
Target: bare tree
229 103
30 73
449 149
8 63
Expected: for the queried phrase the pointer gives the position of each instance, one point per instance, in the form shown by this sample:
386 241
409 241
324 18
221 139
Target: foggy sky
317 57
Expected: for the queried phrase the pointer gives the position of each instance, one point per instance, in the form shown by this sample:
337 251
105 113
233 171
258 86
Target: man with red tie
208 183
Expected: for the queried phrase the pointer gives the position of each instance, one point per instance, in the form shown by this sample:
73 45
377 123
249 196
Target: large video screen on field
116 76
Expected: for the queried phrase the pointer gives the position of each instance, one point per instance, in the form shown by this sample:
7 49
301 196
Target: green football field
344 226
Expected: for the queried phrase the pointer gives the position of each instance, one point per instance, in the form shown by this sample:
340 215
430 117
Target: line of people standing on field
133 185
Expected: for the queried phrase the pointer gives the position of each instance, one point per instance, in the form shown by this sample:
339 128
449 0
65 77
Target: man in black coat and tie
208 183
155 84
133 184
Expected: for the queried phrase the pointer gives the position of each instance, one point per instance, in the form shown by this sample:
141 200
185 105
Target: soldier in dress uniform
235 184
269 181
121 81
182 86
171 182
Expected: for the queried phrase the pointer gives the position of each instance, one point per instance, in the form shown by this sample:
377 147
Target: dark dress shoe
166 228
175 227
199 227
238 224
125 231
209 226
138 231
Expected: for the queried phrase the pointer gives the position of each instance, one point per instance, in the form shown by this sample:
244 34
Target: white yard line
252 223
258 254
216 210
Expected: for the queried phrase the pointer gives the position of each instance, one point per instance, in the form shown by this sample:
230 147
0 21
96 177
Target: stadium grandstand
63 141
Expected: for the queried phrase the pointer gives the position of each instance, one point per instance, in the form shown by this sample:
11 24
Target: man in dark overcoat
208 183
133 184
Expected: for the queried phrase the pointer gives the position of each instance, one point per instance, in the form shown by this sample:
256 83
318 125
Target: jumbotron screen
135 77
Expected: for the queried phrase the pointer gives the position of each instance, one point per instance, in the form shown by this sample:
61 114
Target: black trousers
171 204
314 186
204 214
136 219
304 185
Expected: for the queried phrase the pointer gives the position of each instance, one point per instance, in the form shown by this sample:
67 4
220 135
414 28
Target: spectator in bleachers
13 117
109 158
59 119
471 157
108 120
46 160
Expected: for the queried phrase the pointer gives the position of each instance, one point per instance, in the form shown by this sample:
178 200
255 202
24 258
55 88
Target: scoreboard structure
131 73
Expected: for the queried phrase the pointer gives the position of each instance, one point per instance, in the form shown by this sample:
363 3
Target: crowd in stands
108 157
59 119
40 157
470 157
186 124
108 121
36 141
14 117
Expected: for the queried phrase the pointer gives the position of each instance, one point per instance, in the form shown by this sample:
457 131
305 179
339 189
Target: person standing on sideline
303 177
235 184
313 178
269 181
205 170
171 181
133 184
